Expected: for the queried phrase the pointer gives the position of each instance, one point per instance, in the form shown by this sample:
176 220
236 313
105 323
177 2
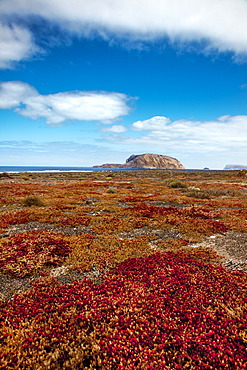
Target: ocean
19 169
47 169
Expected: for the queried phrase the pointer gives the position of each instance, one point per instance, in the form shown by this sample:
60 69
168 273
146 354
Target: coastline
48 169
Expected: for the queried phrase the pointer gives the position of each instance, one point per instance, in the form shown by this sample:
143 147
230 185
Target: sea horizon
20 169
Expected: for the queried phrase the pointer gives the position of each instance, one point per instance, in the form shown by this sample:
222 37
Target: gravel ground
232 247
33 226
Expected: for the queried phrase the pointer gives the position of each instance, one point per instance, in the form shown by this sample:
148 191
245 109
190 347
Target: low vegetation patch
175 183
30 253
32 200
118 271
165 311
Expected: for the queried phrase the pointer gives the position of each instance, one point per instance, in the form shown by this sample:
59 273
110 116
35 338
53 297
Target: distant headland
146 161
235 167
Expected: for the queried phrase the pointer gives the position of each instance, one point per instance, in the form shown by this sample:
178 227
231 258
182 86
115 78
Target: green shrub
242 173
4 174
111 190
32 200
174 183
198 194
213 193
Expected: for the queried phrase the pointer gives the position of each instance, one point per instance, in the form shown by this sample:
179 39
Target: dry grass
32 200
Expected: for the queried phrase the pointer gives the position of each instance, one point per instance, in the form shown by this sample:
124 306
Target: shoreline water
46 169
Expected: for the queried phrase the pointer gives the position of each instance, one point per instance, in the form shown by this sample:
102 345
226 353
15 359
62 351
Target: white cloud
56 108
197 144
219 23
154 123
224 133
12 93
16 44
118 129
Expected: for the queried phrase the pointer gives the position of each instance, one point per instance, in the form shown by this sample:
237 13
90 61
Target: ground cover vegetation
123 270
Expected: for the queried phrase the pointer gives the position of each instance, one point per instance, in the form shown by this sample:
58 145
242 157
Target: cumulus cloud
224 133
118 129
219 24
197 144
13 93
56 108
154 123
16 44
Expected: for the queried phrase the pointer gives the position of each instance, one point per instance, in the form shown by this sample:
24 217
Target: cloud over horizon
55 153
57 108
189 136
217 24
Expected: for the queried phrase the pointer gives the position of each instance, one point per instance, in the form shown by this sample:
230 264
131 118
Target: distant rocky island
146 161
235 167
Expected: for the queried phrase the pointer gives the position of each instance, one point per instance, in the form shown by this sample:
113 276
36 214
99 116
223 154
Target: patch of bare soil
157 234
66 276
232 247
34 226
11 285
165 204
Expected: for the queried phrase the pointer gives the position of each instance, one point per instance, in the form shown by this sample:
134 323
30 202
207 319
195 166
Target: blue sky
85 83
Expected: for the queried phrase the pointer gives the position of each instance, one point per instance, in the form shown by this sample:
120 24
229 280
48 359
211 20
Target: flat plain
123 270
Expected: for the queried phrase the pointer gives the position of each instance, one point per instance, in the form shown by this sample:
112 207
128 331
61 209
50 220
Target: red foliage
199 219
25 253
74 221
165 311
14 217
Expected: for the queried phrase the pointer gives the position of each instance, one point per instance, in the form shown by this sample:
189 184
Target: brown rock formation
147 161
